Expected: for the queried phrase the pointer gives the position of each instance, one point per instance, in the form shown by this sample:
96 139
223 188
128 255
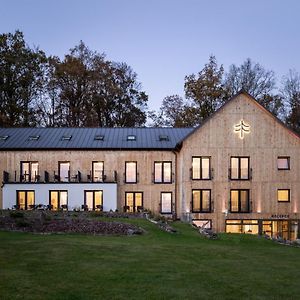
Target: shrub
22 223
16 214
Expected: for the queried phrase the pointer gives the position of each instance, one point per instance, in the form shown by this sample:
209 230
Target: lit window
242 226
239 201
283 163
283 195
133 202
131 172
29 171
93 200
58 200
201 201
25 200
201 168
239 168
162 172
131 138
166 203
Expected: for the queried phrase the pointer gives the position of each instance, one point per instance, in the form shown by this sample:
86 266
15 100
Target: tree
21 80
291 94
92 91
205 90
258 82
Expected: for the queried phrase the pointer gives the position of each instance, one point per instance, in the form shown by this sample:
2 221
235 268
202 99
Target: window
239 201
66 137
25 200
99 137
98 171
93 200
162 172
163 138
33 137
207 224
283 195
133 201
131 172
201 168
201 201
283 163
239 168
242 226
4 137
58 200
131 138
166 203
29 171
64 171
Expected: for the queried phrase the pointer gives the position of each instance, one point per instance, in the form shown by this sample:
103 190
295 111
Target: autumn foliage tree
22 81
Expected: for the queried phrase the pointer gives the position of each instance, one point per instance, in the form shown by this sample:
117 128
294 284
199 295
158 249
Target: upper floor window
283 195
239 168
162 172
29 171
239 201
64 171
283 163
201 201
131 172
201 167
98 171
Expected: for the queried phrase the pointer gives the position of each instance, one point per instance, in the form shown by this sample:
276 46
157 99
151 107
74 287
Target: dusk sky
164 40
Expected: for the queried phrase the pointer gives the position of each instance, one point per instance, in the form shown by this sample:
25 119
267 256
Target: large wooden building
237 172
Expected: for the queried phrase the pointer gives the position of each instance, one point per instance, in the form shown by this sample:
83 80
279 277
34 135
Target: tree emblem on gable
242 127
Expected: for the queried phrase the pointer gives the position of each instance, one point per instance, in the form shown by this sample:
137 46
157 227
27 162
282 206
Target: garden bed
63 222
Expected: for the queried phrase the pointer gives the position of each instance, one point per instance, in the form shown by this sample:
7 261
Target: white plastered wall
75 193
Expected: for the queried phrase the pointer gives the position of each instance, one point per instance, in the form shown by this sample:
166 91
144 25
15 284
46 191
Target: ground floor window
166 203
25 200
242 226
207 224
93 200
133 201
58 200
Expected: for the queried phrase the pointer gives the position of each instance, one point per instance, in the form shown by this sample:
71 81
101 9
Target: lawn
156 265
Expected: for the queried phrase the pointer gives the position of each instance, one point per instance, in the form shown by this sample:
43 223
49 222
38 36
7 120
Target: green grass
156 265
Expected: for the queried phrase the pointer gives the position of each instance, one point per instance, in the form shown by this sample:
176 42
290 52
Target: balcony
54 177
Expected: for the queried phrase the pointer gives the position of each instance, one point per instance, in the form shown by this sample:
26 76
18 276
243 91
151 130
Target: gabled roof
91 138
241 92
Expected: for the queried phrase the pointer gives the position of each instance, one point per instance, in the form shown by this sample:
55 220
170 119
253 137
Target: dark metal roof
84 138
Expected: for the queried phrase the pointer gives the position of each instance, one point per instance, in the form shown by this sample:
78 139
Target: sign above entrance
242 127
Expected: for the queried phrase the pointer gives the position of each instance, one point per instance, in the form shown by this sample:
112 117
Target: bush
16 214
22 223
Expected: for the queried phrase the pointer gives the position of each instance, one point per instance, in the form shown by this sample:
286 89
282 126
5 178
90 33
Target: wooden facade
241 128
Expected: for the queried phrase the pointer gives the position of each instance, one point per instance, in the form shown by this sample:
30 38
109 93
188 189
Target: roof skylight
131 138
66 137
